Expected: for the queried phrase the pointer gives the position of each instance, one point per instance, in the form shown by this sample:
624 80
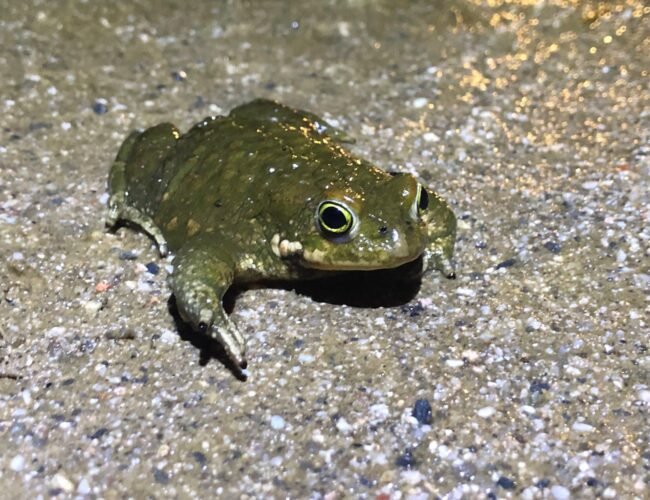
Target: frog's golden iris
334 218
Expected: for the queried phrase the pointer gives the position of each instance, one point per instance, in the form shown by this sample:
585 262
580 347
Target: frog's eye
334 218
422 198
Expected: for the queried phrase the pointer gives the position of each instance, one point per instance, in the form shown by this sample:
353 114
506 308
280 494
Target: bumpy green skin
236 200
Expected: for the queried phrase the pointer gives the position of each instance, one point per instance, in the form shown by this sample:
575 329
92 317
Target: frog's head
374 223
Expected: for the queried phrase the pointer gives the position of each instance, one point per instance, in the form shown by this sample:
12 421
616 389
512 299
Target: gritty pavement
528 376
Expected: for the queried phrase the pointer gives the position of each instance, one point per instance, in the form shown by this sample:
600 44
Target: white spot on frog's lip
288 248
285 248
275 244
400 246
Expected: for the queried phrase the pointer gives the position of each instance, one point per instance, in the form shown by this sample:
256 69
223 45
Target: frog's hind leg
117 184
140 155
118 209
134 216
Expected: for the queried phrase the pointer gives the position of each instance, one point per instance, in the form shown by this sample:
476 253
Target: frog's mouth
317 259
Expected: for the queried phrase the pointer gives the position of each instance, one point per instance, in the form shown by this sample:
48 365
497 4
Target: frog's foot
118 211
435 258
200 278
226 333
211 321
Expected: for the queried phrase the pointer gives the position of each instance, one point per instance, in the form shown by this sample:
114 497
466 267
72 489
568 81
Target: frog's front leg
202 274
441 231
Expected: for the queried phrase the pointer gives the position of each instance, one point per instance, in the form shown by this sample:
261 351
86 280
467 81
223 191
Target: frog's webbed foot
433 260
223 330
441 228
199 281
438 256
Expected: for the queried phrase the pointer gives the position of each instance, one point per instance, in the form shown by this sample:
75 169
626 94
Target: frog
269 192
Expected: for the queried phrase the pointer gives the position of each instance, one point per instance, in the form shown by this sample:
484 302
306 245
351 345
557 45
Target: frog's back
225 169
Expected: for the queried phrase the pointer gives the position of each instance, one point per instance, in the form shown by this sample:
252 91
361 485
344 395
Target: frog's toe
435 259
233 343
206 317
447 268
224 331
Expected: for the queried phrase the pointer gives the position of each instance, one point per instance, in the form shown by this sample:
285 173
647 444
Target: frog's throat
315 259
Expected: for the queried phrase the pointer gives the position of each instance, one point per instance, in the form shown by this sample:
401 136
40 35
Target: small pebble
277 422
422 412
506 263
379 412
560 492
609 492
99 433
127 255
486 412
83 488
93 306
343 426
153 268
533 324
582 427
406 460
471 356
17 463
412 477
160 476
553 246
454 363
420 102
100 106
169 337
305 358
644 395
200 457
60 481
539 386
506 483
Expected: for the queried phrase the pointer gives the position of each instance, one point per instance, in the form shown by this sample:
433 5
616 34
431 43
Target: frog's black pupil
424 199
333 218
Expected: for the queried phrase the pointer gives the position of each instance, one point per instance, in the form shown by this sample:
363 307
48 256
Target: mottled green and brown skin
239 198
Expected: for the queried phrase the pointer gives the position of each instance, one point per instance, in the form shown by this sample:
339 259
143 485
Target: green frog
268 192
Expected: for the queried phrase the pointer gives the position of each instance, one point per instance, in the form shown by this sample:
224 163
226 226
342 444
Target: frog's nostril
383 230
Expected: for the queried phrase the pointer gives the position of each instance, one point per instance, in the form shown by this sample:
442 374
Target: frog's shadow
362 289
